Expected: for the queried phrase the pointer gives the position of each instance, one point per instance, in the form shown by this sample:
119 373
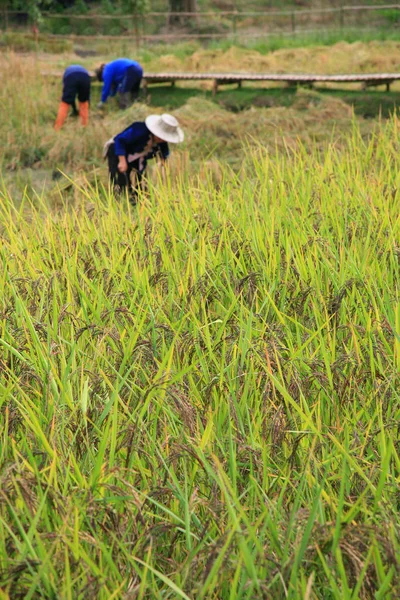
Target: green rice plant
199 397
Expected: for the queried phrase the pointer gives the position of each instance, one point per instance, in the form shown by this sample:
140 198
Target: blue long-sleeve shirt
134 139
114 73
74 69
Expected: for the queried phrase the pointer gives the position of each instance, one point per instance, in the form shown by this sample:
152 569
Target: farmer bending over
128 152
76 82
122 75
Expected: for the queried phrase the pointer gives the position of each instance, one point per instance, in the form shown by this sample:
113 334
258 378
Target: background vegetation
161 17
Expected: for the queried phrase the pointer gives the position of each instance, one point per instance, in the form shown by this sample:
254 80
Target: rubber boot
125 100
135 95
61 115
84 113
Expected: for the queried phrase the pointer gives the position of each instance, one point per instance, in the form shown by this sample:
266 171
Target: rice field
199 399
199 396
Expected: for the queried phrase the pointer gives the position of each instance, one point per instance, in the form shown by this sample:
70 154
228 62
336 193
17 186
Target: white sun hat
165 127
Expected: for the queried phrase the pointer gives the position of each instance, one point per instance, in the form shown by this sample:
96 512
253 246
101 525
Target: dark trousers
130 85
76 84
131 181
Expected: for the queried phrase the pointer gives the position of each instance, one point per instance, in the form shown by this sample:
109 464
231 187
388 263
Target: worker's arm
107 83
161 152
121 140
122 164
164 151
162 155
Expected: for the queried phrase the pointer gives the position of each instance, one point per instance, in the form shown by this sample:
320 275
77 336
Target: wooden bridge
292 79
367 80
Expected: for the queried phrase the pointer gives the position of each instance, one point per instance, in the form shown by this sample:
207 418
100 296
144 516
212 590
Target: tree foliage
136 6
183 5
35 7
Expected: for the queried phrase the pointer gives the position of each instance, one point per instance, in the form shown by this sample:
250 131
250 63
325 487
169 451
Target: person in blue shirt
123 76
76 83
128 152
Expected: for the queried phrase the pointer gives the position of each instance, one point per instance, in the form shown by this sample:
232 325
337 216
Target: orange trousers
63 113
84 113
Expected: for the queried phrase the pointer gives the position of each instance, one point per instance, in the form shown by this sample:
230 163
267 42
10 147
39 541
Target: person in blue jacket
128 152
123 76
76 84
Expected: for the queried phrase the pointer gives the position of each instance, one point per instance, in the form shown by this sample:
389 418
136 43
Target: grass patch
275 42
24 42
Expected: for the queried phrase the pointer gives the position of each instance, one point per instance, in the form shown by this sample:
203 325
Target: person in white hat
128 152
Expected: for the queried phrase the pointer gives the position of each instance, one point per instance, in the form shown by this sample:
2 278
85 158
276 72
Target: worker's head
99 72
165 128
